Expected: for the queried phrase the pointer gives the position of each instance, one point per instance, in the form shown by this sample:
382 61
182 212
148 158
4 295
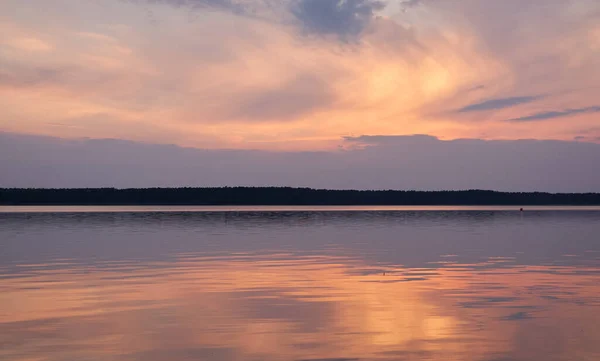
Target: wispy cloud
296 97
555 114
410 3
297 74
226 5
499 103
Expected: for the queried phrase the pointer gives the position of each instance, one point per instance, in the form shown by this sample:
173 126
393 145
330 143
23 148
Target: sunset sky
301 75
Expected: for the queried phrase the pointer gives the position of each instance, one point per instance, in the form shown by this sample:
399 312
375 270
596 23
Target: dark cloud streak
499 103
228 5
22 76
556 114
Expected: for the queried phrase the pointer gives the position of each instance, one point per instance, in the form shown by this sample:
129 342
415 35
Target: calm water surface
481 284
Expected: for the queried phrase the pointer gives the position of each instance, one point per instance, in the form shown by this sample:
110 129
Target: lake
299 283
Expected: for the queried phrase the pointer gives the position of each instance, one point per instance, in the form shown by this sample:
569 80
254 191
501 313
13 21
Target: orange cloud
229 80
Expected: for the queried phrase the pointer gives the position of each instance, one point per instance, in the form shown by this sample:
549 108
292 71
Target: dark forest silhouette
283 196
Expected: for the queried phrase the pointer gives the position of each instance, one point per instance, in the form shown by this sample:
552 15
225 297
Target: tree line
282 196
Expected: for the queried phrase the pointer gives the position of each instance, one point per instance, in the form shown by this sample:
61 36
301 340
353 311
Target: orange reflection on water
286 307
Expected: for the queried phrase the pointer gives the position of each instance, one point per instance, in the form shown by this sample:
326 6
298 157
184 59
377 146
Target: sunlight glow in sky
299 74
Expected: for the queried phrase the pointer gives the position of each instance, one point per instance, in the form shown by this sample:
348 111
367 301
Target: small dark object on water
521 209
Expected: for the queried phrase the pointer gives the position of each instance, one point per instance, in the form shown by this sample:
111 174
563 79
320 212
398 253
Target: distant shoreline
284 196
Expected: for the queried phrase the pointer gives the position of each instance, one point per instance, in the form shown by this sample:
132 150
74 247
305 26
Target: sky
419 94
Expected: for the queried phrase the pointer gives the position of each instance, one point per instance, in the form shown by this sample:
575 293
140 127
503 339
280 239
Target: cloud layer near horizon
299 74
366 162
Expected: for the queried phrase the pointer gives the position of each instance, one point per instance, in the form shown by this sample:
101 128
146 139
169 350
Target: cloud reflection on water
295 307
